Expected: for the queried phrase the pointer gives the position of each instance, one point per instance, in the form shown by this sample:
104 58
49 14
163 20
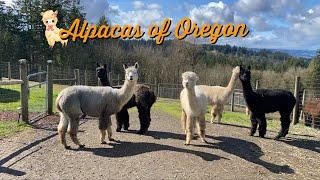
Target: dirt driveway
230 154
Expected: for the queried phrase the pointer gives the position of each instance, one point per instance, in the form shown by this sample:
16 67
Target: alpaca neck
232 82
126 91
104 81
247 91
192 99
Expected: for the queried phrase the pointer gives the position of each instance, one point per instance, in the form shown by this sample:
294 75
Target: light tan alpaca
194 106
49 19
218 96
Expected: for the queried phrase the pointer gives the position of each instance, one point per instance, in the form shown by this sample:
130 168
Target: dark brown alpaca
143 98
312 108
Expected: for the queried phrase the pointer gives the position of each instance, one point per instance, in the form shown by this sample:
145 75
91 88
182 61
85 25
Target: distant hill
296 53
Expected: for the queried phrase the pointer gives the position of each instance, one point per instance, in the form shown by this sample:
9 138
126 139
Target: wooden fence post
39 76
232 102
303 100
24 90
9 71
296 95
118 79
49 88
85 77
77 76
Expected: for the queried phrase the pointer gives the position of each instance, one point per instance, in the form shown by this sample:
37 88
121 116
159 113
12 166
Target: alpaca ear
136 65
98 65
56 13
42 13
105 66
125 66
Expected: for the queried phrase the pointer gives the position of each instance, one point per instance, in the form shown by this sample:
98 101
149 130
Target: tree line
22 36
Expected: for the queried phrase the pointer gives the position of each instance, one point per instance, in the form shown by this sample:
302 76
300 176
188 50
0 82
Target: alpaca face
236 70
189 79
49 19
101 71
245 75
131 72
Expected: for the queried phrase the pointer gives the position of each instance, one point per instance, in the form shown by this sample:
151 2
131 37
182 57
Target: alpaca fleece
143 98
101 102
194 106
218 96
264 101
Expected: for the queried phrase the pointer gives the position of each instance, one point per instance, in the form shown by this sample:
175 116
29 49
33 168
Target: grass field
10 102
10 97
235 118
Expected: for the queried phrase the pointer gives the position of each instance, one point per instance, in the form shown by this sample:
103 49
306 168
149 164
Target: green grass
10 101
173 108
11 94
8 128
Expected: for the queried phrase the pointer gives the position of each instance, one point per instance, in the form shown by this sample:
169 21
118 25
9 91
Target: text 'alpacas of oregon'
184 28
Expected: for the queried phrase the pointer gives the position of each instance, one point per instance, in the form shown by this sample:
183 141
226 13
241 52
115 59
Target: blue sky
284 24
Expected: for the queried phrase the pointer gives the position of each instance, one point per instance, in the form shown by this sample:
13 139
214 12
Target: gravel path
230 154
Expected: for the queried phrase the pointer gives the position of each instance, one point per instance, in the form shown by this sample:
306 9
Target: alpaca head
189 79
49 19
101 71
236 70
245 74
131 72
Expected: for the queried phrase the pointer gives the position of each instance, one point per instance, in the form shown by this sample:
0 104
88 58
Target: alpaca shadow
159 135
10 95
307 144
126 149
246 150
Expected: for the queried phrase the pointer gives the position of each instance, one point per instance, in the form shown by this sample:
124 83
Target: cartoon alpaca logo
49 19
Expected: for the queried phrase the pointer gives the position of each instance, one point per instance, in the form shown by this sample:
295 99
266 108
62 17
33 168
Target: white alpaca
100 102
218 96
194 106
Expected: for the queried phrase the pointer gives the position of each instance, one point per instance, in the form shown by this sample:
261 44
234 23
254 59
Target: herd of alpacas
75 102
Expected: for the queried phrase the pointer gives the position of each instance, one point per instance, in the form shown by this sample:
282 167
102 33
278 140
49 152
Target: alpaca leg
213 113
73 130
109 129
285 124
102 127
189 128
262 125
183 121
119 117
219 114
143 117
201 127
254 125
125 120
62 129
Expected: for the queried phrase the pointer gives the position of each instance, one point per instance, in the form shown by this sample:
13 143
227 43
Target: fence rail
307 109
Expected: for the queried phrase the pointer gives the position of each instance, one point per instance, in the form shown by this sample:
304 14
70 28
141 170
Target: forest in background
22 36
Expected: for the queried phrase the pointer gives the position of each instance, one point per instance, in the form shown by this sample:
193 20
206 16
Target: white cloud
138 4
154 6
212 12
310 11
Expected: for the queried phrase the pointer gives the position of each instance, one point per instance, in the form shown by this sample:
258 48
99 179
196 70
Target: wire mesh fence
309 94
310 102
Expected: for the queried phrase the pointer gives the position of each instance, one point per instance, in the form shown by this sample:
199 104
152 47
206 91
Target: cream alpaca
100 102
194 106
49 19
218 96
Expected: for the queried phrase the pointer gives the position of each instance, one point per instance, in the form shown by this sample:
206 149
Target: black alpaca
143 98
264 101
